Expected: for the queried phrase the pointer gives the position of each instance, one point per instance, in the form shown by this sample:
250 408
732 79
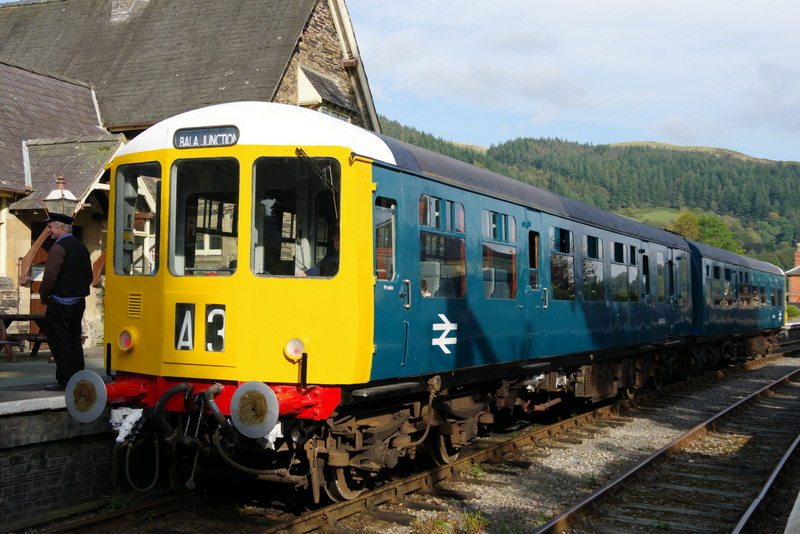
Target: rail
579 512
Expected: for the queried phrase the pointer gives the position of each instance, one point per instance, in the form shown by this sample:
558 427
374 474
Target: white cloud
680 71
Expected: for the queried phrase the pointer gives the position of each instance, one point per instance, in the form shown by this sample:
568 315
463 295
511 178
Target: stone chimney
797 256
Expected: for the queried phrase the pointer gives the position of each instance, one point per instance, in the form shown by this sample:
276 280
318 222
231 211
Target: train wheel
343 484
442 449
657 380
686 370
628 393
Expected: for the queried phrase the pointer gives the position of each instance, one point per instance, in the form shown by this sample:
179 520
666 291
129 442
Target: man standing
66 282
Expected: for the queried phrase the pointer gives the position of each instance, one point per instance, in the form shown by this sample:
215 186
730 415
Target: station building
80 78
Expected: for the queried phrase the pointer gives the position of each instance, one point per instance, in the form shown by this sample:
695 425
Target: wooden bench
35 339
12 339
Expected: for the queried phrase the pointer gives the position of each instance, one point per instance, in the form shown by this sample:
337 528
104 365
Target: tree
714 232
687 224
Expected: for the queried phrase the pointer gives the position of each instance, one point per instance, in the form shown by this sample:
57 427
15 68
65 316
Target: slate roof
161 57
80 161
34 105
328 90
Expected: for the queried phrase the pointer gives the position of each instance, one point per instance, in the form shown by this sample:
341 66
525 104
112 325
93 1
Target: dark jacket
68 270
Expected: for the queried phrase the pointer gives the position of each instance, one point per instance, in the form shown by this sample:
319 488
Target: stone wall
49 463
320 50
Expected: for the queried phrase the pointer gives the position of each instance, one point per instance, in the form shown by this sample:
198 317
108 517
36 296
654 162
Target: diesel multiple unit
309 302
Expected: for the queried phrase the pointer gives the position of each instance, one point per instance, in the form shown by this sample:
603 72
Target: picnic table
9 340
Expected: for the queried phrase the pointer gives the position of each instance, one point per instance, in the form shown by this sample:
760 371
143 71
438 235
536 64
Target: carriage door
396 285
535 284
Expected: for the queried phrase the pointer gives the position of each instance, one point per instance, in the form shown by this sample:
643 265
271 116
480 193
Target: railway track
429 482
703 481
382 503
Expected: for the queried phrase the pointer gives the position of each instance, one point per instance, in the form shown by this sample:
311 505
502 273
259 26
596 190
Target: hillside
704 149
718 196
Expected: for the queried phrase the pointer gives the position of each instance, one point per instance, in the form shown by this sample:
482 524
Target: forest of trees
722 198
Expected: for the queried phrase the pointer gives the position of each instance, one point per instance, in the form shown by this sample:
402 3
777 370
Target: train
299 300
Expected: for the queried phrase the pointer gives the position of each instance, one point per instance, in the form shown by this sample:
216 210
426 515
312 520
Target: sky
717 73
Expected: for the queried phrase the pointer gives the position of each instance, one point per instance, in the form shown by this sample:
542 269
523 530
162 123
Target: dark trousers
63 325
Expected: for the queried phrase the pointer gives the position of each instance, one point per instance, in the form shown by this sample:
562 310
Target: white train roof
265 123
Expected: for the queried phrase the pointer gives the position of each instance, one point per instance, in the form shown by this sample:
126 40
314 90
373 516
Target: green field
651 215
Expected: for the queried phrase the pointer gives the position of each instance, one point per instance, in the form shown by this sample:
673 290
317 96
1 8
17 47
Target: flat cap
59 217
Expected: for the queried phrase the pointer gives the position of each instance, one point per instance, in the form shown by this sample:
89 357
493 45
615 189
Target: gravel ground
508 501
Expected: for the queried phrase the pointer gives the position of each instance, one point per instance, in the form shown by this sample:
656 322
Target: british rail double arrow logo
445 327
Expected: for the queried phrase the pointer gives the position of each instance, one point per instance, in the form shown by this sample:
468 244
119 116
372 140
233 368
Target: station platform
22 382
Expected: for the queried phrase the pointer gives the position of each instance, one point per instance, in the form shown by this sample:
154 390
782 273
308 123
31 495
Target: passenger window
729 287
744 296
683 270
671 274
561 240
717 289
619 253
633 281
625 276
562 266
499 271
384 216
443 264
533 259
499 257
455 217
441 213
442 255
593 247
430 211
661 276
593 286
499 226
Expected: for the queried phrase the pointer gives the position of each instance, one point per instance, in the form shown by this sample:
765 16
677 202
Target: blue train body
735 294
535 277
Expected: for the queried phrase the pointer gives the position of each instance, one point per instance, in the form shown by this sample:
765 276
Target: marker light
294 349
127 339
